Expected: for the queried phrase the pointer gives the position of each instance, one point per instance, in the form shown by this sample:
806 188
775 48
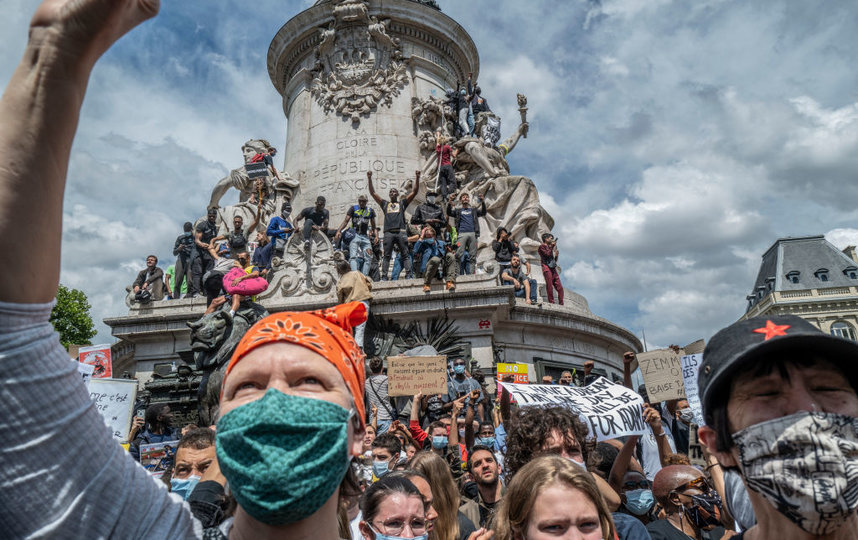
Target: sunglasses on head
698 483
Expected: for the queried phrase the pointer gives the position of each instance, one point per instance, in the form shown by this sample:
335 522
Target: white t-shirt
649 450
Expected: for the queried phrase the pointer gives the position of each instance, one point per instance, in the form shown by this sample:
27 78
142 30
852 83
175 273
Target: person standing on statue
316 220
395 228
205 232
446 174
548 252
183 249
430 213
363 223
467 221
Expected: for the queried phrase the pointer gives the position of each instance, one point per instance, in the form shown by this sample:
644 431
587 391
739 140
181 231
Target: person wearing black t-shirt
467 221
363 225
395 227
205 232
316 220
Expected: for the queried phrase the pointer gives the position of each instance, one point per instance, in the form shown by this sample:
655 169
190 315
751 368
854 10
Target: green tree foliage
71 317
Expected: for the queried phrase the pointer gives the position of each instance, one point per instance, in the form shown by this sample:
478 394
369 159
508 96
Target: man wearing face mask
430 213
691 506
386 451
194 454
460 384
780 405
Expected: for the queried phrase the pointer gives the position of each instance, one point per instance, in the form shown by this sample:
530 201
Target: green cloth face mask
284 456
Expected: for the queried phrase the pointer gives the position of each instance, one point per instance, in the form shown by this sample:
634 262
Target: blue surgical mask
268 450
459 369
380 468
439 441
487 441
184 487
639 501
379 536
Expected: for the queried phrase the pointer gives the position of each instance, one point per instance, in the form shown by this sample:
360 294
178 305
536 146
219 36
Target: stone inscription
344 174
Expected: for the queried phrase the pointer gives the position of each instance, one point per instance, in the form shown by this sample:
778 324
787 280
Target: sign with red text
97 356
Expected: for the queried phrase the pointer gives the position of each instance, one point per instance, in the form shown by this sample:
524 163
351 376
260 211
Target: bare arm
506 398
39 113
621 464
469 426
653 418
410 196
628 358
372 192
415 408
342 227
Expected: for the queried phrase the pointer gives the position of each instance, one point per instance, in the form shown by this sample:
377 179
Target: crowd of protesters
296 454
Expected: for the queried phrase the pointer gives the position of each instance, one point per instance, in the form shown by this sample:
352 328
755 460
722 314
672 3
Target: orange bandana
327 332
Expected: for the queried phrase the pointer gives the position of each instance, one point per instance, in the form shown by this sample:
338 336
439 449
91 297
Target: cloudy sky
673 142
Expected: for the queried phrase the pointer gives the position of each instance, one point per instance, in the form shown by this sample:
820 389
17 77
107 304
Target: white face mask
686 415
805 465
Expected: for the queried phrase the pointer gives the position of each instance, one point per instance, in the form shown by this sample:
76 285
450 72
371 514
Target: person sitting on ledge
149 284
504 248
525 287
434 253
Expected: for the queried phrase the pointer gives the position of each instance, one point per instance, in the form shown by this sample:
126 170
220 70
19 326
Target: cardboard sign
256 170
158 457
662 374
411 375
85 371
114 399
610 410
99 357
690 366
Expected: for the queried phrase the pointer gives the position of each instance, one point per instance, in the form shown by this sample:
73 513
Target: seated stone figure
259 198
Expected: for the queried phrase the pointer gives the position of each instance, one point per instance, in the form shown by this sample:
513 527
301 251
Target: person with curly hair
535 431
551 497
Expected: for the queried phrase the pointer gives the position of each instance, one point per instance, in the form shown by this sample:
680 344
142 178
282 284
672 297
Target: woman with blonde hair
548 497
450 524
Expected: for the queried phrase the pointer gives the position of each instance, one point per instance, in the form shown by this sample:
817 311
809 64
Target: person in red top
548 252
446 174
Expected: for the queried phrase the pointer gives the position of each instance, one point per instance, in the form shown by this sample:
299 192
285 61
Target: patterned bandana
805 465
327 332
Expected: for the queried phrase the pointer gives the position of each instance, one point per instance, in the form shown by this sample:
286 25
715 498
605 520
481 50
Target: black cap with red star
740 344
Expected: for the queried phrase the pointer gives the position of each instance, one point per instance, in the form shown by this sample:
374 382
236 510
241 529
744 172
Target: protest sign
85 371
610 410
256 170
518 370
662 374
690 366
410 375
114 399
98 356
158 457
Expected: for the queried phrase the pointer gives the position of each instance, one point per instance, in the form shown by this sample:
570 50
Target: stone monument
365 87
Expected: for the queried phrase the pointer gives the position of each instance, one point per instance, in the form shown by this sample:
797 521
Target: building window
851 272
821 274
793 276
843 329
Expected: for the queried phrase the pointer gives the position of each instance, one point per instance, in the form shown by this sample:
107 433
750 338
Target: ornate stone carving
271 191
300 272
359 66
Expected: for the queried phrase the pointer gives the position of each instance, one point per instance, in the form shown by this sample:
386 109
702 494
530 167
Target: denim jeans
533 290
397 267
358 252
